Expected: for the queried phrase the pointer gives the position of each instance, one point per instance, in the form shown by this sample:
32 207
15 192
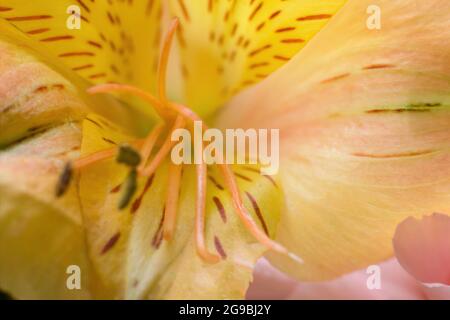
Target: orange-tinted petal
364 125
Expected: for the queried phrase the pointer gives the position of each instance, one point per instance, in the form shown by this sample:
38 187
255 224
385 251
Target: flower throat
143 159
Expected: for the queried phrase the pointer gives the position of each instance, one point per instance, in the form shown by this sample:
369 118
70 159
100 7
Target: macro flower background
363 120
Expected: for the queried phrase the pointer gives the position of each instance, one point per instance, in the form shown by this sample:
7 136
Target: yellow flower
203 252
363 125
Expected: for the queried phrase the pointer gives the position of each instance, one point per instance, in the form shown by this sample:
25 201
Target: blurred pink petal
421 272
423 248
440 292
396 283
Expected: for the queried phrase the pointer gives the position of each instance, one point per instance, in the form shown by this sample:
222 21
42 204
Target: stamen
149 144
64 180
123 88
201 169
67 173
164 60
165 149
128 156
100 156
130 187
167 110
186 112
94 158
173 191
159 106
200 209
246 218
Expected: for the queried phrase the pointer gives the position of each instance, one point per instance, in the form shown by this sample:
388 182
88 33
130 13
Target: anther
132 158
64 180
128 156
130 187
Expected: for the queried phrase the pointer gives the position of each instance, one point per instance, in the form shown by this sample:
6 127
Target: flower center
138 156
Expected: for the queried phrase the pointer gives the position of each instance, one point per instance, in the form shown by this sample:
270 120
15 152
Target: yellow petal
175 271
117 40
226 46
40 236
364 119
38 91
32 96
127 247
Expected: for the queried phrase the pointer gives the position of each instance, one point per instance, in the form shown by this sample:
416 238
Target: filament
170 213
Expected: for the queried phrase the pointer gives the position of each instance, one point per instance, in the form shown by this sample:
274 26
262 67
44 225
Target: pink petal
423 248
437 292
396 283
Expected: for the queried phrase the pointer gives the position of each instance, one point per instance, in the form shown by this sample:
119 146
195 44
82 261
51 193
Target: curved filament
149 144
200 210
165 149
230 182
164 60
173 192
124 88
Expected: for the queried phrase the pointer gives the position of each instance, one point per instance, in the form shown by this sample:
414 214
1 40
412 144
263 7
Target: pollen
143 160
